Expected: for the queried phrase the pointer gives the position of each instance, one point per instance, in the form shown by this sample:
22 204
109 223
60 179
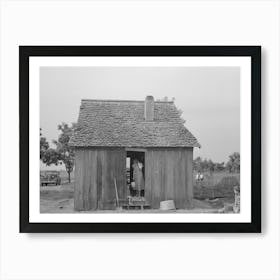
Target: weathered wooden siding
169 176
95 170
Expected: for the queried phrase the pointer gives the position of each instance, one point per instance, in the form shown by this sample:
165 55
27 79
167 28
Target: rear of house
112 134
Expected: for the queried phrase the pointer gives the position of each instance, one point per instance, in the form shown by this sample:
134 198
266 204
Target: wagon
50 177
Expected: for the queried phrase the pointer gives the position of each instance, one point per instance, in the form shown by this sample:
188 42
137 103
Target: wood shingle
121 123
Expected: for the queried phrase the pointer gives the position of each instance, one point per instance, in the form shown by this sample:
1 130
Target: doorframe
136 150
142 150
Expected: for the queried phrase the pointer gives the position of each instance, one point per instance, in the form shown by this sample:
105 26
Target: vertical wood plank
163 168
186 203
121 164
123 171
113 174
169 190
181 194
99 179
189 177
120 172
78 186
108 175
112 163
93 199
86 180
148 176
103 160
176 178
156 182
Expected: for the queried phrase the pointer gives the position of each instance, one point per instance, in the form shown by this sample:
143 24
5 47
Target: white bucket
167 205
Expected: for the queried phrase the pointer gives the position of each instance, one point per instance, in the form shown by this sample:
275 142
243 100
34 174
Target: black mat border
25 52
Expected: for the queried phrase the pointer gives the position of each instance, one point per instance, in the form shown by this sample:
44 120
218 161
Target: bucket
167 205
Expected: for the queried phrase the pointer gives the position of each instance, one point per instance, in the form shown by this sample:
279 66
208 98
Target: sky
208 96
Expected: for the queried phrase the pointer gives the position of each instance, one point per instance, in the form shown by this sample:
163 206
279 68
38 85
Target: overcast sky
208 96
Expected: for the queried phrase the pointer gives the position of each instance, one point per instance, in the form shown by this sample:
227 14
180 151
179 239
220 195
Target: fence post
236 207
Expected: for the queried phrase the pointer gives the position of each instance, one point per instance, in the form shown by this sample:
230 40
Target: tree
44 145
197 164
64 154
219 166
50 157
202 165
211 166
47 155
233 165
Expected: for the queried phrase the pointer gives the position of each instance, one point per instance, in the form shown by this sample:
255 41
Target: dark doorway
133 157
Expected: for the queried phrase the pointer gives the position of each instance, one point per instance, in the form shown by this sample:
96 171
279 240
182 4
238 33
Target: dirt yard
57 199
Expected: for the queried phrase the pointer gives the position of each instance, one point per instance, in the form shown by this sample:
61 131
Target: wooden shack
112 133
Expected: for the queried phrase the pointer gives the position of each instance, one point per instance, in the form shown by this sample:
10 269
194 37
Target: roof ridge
121 100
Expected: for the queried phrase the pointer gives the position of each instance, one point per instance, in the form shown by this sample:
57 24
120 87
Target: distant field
216 185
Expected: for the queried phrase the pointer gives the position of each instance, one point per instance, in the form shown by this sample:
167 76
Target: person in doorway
138 177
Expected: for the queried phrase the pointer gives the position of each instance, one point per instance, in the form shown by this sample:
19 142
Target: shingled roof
121 123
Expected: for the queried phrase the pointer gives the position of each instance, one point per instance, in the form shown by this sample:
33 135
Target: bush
228 181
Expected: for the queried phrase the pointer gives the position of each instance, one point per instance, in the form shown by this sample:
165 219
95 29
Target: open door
135 172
